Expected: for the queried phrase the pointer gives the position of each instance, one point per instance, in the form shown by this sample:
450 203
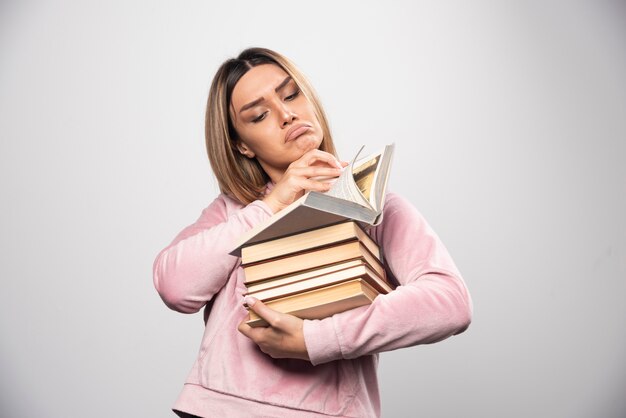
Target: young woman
267 139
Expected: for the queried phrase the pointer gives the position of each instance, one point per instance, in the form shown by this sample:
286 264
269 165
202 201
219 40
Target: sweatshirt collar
269 186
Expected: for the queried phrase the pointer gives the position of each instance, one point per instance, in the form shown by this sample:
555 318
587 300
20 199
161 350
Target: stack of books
315 274
313 259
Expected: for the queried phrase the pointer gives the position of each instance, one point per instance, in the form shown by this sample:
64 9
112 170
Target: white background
509 120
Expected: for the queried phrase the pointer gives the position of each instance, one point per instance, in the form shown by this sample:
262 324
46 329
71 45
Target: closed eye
259 118
293 96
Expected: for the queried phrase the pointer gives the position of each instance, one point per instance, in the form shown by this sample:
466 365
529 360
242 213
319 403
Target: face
275 122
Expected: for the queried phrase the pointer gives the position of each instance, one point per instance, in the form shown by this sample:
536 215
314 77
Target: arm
196 265
432 302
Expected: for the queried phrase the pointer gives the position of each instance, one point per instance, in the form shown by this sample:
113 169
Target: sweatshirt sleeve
430 304
196 265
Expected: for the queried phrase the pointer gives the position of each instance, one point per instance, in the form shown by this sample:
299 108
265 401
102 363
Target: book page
364 177
381 177
345 188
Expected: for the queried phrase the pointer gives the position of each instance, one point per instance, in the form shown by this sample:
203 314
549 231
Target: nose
286 115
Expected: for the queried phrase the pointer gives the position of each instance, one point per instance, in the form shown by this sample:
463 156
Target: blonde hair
237 175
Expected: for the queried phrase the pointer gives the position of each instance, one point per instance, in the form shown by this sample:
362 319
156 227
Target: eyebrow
260 99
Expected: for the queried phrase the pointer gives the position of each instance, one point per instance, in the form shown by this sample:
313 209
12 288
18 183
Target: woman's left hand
283 338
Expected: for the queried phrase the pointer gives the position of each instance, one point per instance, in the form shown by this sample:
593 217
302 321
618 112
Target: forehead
259 81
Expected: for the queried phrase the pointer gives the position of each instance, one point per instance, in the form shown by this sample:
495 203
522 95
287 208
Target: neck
274 174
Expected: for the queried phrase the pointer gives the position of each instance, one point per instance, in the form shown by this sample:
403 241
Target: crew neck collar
269 186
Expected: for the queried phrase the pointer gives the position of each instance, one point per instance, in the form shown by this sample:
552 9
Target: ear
244 150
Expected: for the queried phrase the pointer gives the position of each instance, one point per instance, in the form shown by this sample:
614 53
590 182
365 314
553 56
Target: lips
296 130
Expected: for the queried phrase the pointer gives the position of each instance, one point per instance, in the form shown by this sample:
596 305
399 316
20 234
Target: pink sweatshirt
233 378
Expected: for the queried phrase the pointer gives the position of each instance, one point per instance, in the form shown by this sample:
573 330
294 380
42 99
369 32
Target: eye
259 118
293 96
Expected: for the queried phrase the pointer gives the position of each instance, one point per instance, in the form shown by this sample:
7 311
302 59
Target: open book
358 194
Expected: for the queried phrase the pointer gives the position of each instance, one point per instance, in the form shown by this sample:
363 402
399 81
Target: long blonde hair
239 176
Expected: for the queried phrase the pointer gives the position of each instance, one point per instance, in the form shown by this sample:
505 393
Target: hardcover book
322 302
361 271
310 260
317 238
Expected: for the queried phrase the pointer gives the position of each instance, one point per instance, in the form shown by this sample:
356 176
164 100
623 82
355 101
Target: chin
307 143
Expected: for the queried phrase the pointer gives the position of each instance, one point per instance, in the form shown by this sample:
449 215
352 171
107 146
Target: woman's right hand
304 175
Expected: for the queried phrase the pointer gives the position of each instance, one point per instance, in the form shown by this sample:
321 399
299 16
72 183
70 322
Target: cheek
268 144
254 136
315 120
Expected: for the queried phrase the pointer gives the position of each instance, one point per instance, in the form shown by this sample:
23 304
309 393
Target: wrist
272 204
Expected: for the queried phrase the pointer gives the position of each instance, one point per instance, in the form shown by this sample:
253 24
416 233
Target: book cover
317 238
285 279
321 303
361 271
311 260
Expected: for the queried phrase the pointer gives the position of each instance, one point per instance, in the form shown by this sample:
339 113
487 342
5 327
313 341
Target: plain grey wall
510 125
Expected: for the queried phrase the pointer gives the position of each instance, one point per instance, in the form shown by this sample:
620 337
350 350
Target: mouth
296 130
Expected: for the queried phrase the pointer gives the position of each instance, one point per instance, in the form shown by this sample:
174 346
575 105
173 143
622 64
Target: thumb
270 315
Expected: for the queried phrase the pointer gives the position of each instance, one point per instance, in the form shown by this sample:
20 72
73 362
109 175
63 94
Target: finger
316 171
253 333
314 180
316 155
245 329
323 157
271 316
324 179
317 185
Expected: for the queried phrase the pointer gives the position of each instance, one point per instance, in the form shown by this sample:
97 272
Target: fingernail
249 300
338 164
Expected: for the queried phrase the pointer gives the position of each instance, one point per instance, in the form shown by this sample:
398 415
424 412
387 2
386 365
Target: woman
268 140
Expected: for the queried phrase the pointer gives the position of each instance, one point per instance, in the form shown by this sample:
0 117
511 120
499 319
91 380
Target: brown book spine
361 271
307 241
321 303
311 260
